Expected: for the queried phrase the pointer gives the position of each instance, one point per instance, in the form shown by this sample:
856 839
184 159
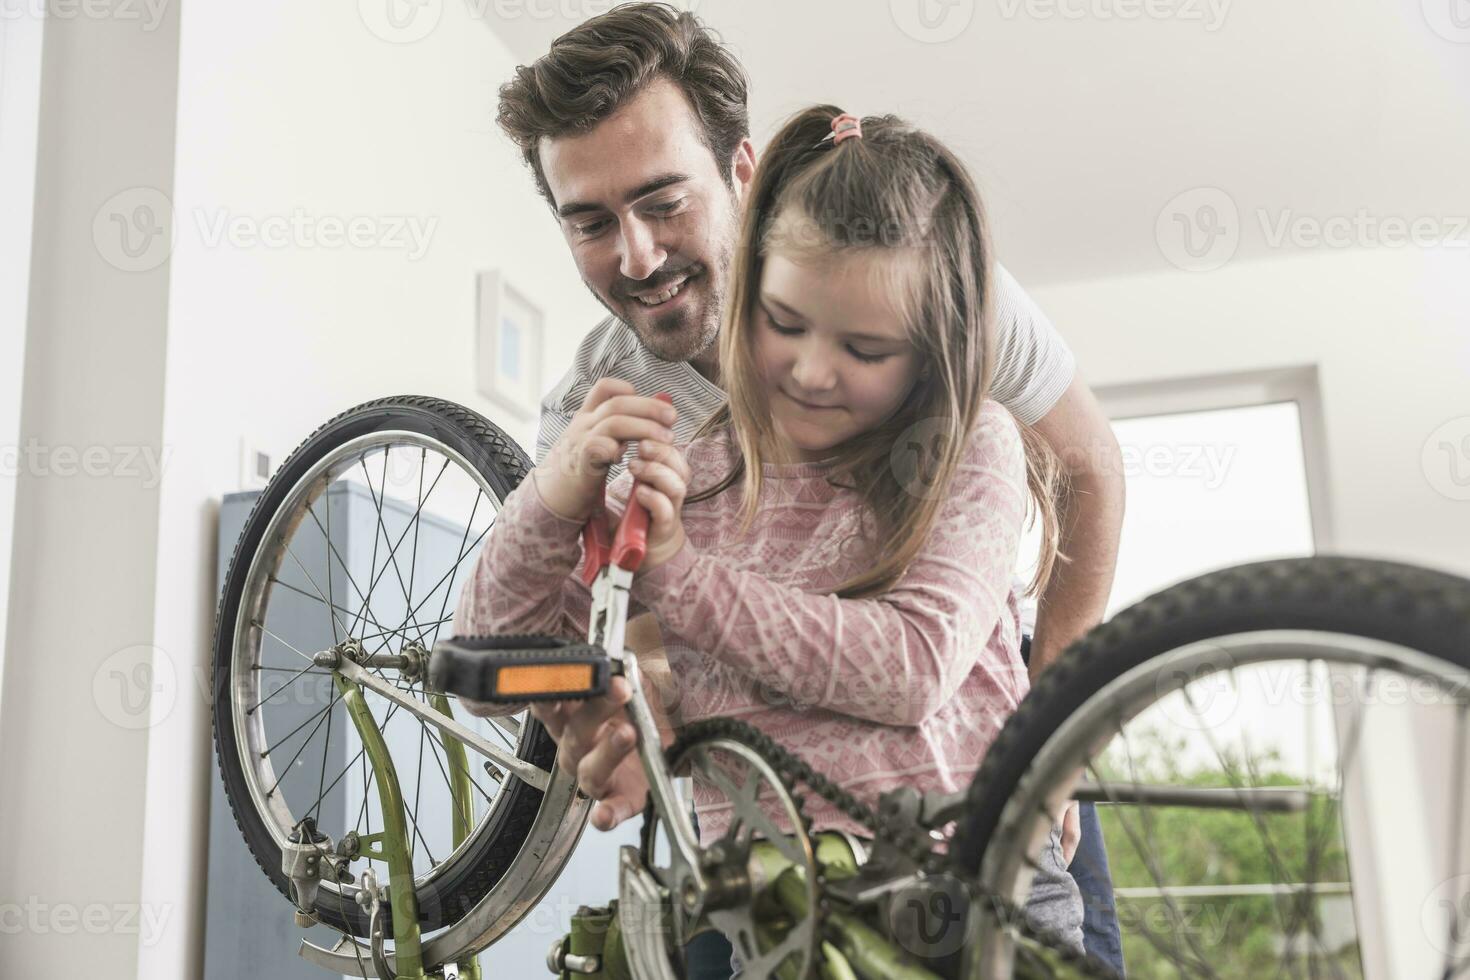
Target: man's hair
595 68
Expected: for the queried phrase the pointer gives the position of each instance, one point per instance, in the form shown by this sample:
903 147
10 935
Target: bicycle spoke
444 606
331 601
272 790
261 626
267 751
373 564
284 687
1146 818
326 749
330 607
361 754
413 555
434 739
333 552
1173 954
393 552
302 592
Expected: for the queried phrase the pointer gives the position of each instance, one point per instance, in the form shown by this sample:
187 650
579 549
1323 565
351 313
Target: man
636 129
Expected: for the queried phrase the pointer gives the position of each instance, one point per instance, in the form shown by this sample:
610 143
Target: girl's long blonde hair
895 188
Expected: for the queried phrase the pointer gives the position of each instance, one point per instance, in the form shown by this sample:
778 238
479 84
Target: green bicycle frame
393 844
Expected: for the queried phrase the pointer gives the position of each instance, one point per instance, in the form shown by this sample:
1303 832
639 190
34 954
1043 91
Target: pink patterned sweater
910 687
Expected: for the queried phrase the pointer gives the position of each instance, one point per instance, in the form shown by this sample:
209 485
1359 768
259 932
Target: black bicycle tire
1414 607
469 877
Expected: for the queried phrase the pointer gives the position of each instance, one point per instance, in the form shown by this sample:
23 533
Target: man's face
650 222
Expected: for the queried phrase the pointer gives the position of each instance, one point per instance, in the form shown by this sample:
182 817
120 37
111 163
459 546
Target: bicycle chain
793 770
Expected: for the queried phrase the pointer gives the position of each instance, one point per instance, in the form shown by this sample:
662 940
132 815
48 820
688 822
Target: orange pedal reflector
544 679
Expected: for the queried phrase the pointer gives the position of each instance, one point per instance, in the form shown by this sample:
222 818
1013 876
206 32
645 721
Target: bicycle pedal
512 669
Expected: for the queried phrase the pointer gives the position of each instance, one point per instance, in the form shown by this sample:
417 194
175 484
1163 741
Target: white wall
287 106
81 599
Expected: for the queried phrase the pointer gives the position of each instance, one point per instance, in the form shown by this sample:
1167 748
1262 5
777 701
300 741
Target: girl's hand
662 479
572 476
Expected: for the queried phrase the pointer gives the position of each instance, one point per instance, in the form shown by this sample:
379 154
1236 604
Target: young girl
840 573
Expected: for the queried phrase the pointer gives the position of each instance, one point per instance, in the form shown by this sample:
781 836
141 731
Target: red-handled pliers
611 561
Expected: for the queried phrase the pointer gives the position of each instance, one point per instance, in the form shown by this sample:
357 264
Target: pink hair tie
844 126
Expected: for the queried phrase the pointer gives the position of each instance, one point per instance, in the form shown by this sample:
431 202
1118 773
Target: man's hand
1071 833
596 742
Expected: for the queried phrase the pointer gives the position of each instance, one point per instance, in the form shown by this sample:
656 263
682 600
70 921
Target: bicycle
358 643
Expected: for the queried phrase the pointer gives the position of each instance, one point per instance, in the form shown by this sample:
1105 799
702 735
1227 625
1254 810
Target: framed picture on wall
509 334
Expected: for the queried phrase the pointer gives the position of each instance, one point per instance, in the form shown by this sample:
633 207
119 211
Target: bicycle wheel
365 534
1278 752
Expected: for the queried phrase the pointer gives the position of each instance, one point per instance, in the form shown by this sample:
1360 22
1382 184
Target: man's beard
686 333
682 334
